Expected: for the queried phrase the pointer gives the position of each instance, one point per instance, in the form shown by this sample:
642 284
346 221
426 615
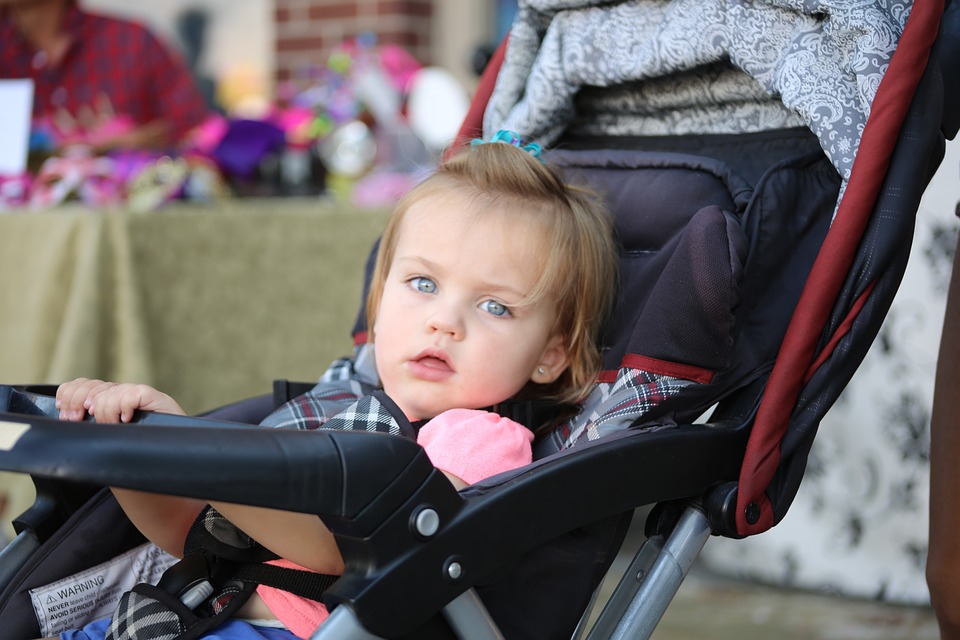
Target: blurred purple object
245 145
128 163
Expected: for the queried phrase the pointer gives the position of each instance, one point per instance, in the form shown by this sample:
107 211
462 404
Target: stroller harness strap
306 584
211 583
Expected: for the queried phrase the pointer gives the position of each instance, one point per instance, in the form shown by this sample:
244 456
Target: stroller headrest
682 254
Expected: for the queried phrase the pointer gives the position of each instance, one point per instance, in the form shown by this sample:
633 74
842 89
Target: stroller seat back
712 266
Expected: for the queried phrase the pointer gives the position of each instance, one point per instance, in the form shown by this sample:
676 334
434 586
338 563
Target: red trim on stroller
659 367
833 262
472 126
841 331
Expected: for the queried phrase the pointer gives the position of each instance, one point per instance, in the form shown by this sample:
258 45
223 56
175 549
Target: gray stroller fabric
735 66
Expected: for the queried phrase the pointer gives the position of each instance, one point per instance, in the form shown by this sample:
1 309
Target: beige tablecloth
208 303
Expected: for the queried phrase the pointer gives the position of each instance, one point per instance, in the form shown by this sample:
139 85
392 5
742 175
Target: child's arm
298 537
466 445
164 520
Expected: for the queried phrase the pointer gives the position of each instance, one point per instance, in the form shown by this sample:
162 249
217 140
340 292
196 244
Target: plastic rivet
427 522
454 570
752 513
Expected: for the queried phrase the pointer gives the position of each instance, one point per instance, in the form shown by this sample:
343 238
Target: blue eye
423 285
494 308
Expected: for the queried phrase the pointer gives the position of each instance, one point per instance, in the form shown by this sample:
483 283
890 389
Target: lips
431 365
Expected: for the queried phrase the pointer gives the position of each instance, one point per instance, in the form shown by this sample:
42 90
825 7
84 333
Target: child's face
450 332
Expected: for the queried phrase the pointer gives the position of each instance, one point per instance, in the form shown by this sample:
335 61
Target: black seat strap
303 583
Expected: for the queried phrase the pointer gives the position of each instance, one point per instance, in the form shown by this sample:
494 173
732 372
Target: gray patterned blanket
656 67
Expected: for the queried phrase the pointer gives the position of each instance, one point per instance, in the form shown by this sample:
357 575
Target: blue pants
229 630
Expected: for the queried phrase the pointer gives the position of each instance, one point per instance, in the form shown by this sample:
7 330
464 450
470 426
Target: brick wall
307 30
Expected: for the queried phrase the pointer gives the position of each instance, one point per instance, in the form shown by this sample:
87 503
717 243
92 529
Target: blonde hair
579 270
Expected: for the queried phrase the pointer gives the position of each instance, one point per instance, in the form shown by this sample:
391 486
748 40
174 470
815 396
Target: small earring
541 370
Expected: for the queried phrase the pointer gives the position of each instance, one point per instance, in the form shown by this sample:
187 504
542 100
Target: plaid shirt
345 382
106 56
610 407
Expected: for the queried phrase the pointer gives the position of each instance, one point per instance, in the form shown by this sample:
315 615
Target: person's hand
98 126
109 401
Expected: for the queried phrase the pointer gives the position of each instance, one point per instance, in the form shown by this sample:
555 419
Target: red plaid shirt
106 56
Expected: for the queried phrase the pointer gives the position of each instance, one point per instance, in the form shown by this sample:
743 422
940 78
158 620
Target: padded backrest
677 220
712 269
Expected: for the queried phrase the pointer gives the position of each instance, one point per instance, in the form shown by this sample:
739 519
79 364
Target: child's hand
109 401
469 445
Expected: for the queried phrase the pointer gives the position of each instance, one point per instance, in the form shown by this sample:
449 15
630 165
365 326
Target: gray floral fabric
653 67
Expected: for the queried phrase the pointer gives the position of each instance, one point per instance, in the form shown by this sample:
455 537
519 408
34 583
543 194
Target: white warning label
94 593
10 433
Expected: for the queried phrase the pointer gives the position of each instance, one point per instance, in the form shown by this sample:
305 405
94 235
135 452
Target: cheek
386 313
511 370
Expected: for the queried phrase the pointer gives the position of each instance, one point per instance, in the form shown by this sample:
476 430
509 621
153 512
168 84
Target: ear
553 362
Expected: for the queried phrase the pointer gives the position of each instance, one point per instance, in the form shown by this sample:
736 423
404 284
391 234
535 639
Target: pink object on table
78 172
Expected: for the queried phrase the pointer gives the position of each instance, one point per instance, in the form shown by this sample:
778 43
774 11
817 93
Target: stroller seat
746 291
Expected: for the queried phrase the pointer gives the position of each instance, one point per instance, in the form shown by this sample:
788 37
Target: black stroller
765 197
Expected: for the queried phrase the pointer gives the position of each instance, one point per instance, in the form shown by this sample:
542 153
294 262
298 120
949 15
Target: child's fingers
119 402
106 405
67 390
72 397
130 400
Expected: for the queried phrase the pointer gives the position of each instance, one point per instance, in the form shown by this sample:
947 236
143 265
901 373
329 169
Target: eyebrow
494 287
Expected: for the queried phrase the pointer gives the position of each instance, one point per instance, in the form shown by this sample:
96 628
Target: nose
446 320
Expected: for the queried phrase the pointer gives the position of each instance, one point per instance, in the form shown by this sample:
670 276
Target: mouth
431 365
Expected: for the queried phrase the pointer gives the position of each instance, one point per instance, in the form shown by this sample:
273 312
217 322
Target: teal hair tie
511 137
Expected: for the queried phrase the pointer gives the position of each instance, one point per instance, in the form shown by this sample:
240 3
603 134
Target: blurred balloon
350 150
436 107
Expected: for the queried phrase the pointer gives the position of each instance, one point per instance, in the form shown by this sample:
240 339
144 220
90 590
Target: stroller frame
393 504
632 613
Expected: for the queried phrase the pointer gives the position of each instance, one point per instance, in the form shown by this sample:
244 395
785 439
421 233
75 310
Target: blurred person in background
99 80
943 558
